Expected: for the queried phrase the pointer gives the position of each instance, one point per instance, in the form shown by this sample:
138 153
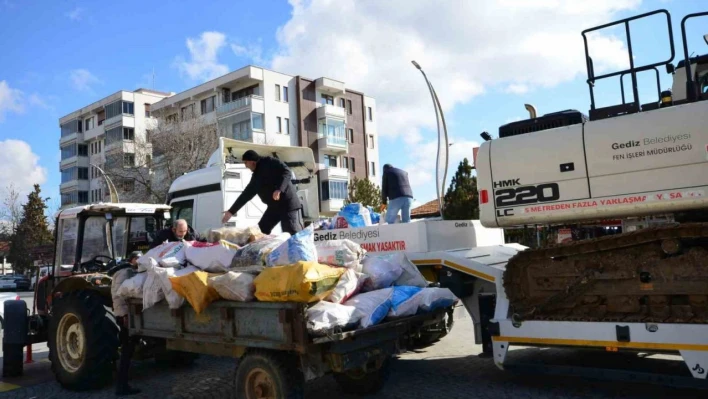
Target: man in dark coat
178 232
396 190
271 181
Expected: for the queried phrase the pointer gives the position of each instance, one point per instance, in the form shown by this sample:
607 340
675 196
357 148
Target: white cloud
203 51
516 88
21 167
83 80
76 14
253 52
11 100
462 46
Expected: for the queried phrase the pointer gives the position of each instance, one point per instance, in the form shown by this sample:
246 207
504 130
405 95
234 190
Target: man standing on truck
178 232
271 180
396 189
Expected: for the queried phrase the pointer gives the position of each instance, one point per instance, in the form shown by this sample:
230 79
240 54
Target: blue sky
485 61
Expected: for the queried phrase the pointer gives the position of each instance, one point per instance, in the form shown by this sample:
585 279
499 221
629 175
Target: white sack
133 287
299 247
435 298
170 262
174 300
214 259
343 253
324 316
348 285
381 272
152 289
165 250
410 276
371 307
234 286
406 301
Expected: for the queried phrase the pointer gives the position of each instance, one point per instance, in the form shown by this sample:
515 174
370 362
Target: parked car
22 283
6 296
7 283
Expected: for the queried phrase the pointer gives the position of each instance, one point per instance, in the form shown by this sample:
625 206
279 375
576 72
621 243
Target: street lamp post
109 183
442 148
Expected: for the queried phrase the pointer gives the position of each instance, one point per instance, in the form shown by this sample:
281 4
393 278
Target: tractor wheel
262 374
83 340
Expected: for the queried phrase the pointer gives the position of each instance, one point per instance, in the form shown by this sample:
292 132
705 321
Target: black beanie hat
251 155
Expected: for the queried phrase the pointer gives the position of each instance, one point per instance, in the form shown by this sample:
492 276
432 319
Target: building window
353 163
188 112
349 106
69 128
128 185
208 105
327 99
147 110
277 92
67 175
370 113
241 131
345 162
128 108
83 150
285 94
257 120
334 190
128 133
342 102
287 126
248 91
279 124
171 118
99 146
68 151
83 173
371 141
83 197
128 160
350 135
89 124
373 169
330 161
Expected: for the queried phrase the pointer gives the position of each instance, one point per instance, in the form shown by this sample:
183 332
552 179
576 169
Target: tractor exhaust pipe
532 110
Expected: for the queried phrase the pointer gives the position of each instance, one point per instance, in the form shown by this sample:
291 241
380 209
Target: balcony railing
231 106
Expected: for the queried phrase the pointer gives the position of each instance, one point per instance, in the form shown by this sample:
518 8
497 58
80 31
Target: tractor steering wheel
95 265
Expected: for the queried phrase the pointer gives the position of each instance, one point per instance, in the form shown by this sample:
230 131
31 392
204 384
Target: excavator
622 161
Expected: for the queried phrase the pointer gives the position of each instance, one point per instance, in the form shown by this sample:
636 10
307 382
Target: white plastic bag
152 289
234 286
406 301
344 253
299 247
133 287
371 307
381 272
324 316
166 250
410 276
348 285
169 262
213 259
174 300
434 298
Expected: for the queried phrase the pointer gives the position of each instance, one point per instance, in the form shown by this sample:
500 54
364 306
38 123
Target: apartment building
266 107
108 127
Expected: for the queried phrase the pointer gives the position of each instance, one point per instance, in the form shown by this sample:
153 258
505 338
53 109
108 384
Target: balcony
331 111
71 137
93 133
250 103
72 185
74 161
333 143
123 119
331 206
329 86
334 173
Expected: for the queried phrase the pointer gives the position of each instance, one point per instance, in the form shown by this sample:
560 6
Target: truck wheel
83 340
261 374
361 382
442 329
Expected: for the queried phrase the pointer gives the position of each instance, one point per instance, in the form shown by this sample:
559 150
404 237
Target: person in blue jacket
396 191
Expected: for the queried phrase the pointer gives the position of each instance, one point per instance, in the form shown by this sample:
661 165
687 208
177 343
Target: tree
462 200
365 192
11 211
31 231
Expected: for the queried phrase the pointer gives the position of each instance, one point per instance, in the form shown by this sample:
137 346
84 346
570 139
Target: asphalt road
450 369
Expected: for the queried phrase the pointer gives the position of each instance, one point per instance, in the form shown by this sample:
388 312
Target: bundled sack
349 284
255 252
213 259
435 298
301 282
327 316
163 251
299 247
133 287
233 286
380 271
195 289
410 275
371 307
352 215
343 253
238 235
152 289
406 301
174 300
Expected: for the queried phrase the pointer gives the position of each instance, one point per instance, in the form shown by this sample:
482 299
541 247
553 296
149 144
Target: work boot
127 391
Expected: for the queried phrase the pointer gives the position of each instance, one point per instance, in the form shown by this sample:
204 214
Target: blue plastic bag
356 215
375 216
404 301
300 247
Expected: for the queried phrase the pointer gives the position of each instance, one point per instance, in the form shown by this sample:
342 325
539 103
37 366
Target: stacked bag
345 287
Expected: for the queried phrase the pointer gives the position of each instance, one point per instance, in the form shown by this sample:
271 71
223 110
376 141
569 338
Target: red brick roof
429 209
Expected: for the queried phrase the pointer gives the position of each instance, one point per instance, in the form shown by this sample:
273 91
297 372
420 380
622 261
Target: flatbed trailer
276 353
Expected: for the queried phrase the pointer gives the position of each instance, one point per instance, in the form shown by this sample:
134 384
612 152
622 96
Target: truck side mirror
670 68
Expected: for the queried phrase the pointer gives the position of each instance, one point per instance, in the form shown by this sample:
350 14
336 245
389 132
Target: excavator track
657 274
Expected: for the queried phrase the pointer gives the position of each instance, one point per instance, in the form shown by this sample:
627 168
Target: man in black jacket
178 232
271 180
396 189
